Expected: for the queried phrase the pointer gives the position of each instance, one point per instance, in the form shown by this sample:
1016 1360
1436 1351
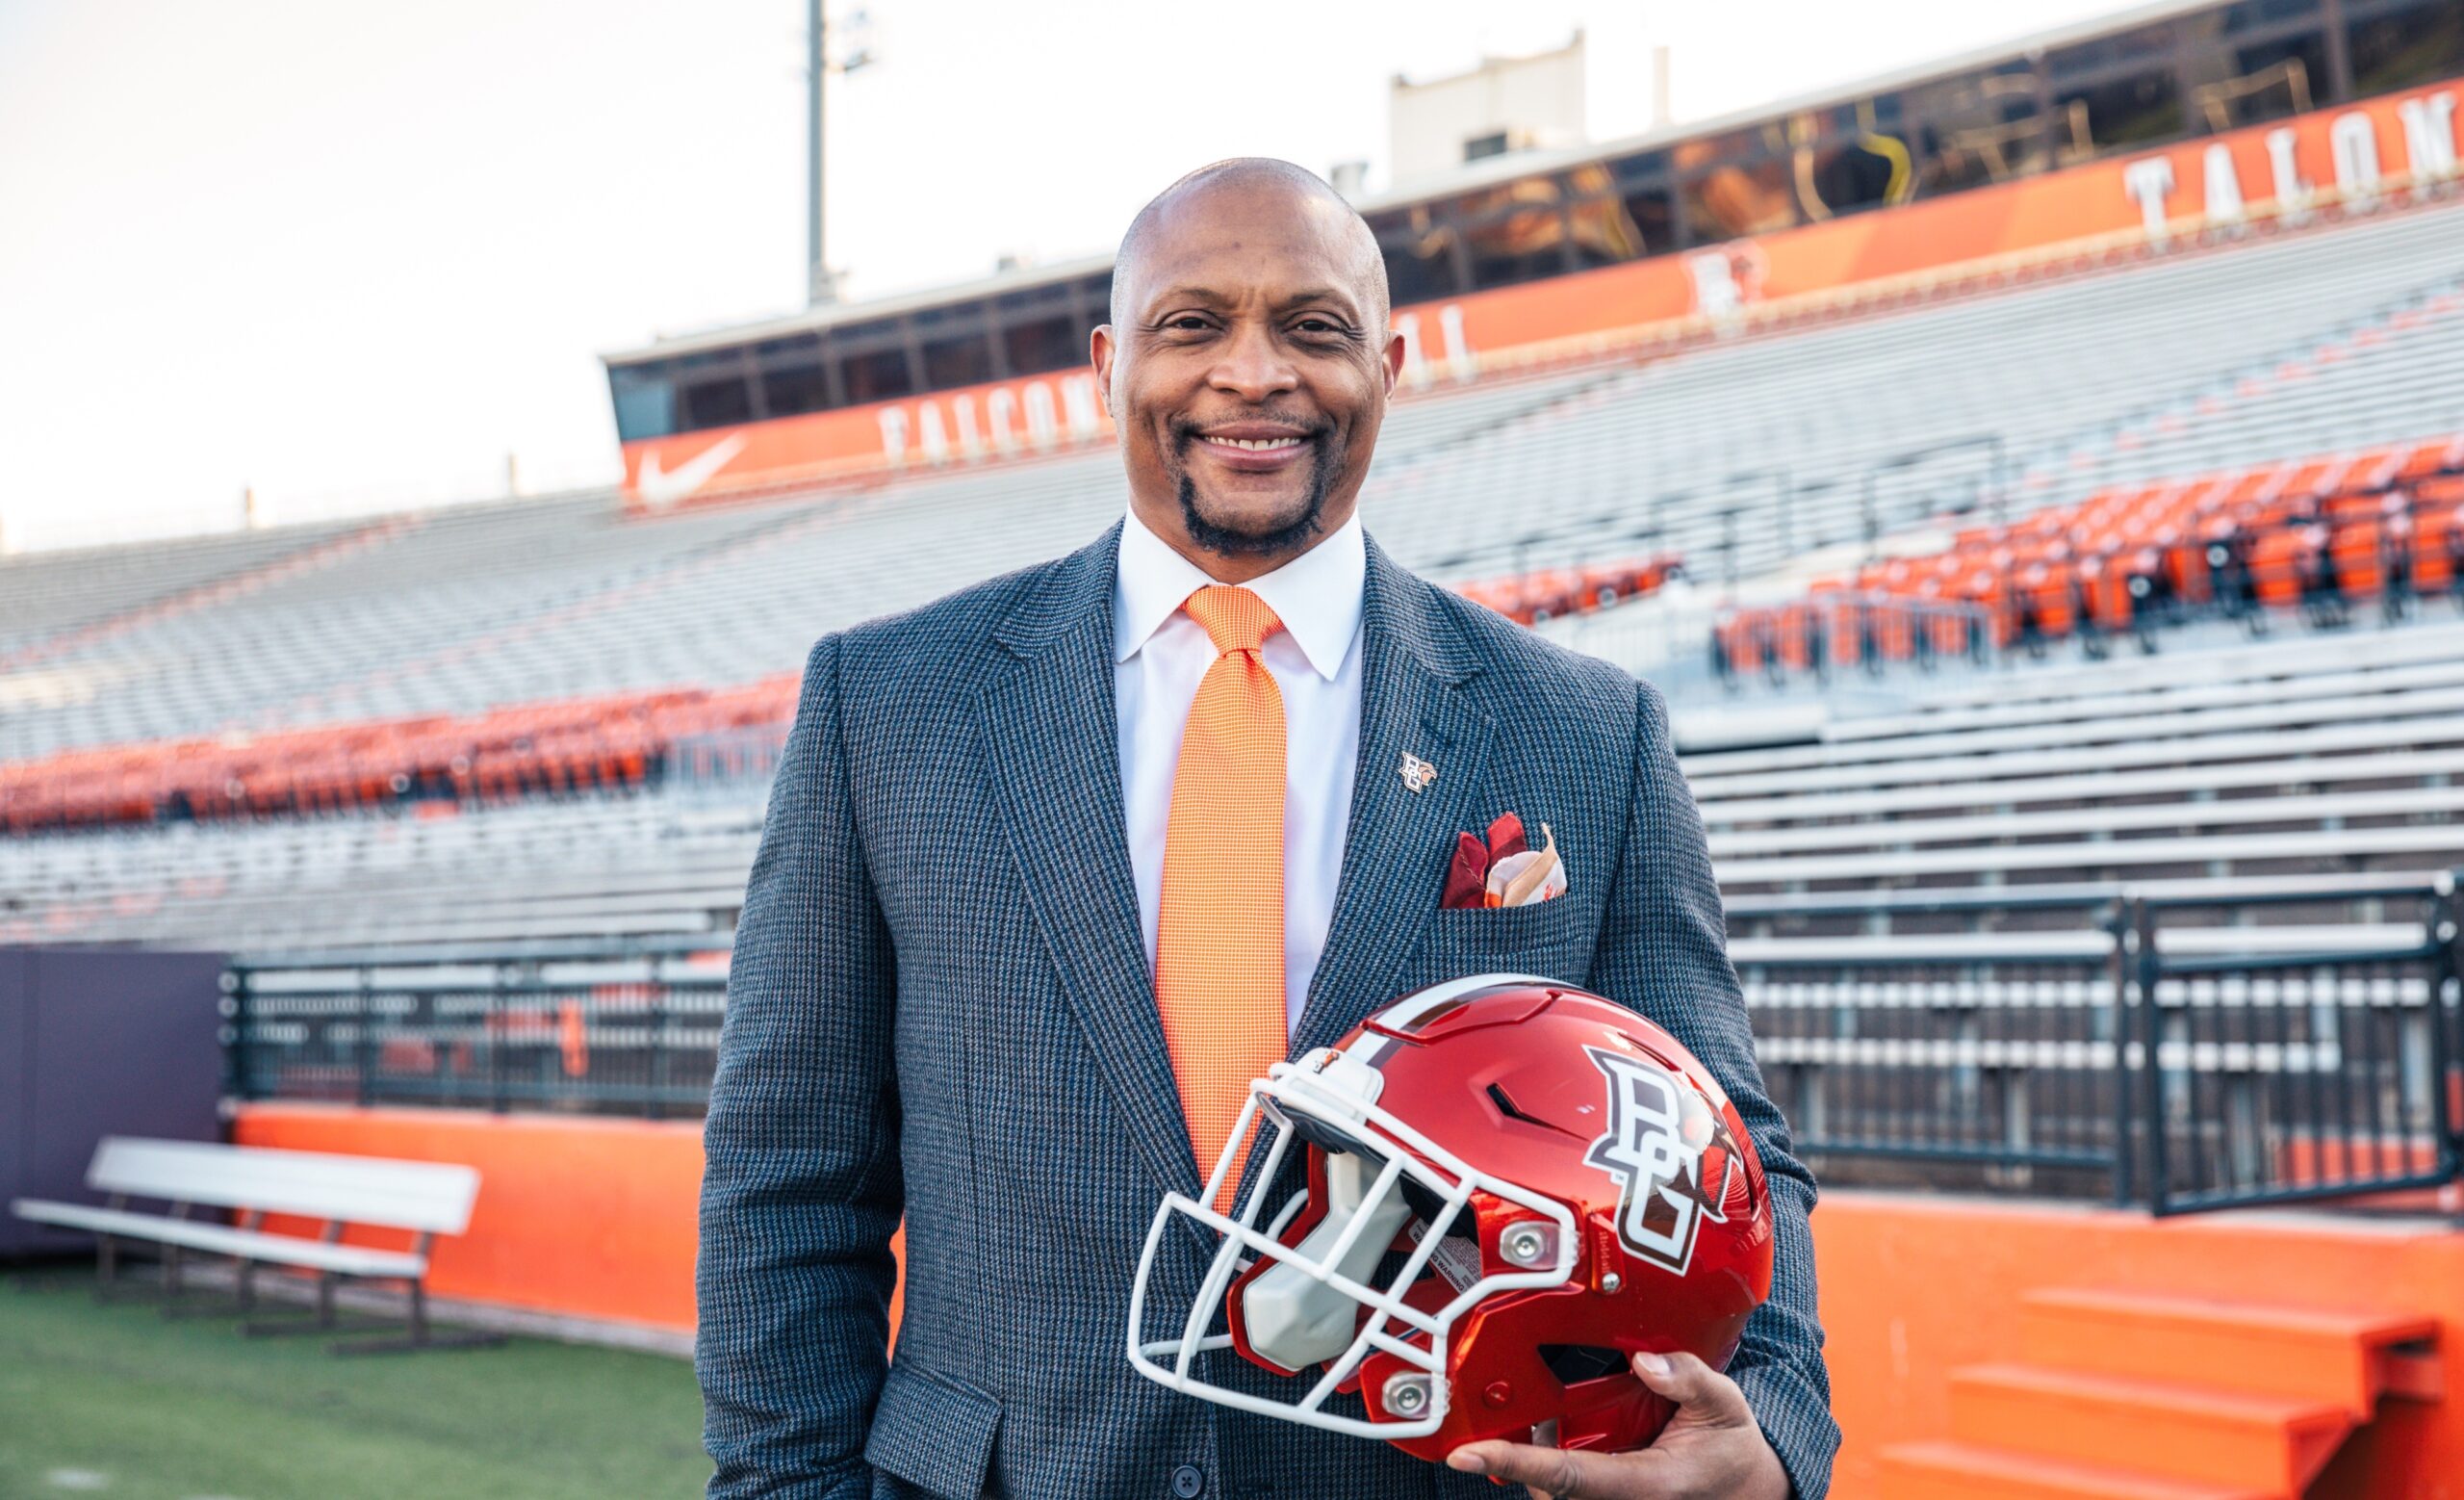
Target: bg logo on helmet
1655 1148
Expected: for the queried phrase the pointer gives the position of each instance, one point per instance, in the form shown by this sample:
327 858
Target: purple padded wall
95 1043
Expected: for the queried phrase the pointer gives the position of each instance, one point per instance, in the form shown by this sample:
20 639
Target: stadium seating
564 745
2326 533
49 594
526 601
671 862
1530 598
484 605
2170 369
405 673
2319 756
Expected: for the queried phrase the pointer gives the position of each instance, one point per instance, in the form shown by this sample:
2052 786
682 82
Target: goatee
1291 538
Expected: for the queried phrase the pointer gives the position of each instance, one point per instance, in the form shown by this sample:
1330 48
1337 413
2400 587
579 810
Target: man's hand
1710 1449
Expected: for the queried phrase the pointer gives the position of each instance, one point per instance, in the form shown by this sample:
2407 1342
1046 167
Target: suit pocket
1511 927
935 1433
1551 939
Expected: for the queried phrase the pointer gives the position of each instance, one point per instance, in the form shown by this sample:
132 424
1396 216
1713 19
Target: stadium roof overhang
1484 173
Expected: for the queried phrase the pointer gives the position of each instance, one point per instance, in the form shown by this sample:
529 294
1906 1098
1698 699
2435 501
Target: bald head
1246 364
1235 194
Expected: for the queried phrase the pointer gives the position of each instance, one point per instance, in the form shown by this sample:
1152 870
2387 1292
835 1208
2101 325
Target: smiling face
1248 365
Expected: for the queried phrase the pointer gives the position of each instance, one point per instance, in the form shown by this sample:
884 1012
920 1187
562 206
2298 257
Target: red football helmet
1513 1186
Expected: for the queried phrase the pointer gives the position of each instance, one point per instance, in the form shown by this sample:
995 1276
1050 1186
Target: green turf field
115 1401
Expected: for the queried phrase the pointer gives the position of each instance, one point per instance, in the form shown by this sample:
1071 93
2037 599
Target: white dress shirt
1159 656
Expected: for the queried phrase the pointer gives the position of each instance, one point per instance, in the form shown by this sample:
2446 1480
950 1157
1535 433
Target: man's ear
1099 351
1395 348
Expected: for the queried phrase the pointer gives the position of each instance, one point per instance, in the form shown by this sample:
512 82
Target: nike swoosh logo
661 488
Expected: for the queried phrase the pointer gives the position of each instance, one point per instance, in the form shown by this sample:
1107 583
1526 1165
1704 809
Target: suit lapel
1397 841
1052 748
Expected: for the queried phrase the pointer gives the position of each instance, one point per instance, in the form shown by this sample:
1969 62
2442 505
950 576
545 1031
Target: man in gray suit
945 1003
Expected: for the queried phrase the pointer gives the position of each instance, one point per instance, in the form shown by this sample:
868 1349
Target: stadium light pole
821 288
817 287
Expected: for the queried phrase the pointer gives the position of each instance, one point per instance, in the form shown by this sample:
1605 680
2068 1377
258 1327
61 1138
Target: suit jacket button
1188 1482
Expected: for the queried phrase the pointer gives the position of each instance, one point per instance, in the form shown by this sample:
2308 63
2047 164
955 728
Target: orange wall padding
597 1218
1913 1287
593 1217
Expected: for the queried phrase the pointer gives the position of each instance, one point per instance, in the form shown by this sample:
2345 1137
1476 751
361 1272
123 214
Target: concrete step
2169 1428
2348 1357
1969 1471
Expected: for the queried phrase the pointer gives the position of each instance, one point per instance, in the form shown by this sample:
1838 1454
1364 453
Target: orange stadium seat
607 741
1527 598
2342 525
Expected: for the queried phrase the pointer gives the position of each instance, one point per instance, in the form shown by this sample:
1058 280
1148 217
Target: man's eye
1186 322
1320 326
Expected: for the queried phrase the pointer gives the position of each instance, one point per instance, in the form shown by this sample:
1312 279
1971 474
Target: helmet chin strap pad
1291 1316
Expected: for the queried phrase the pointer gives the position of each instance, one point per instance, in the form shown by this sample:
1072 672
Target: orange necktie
1218 925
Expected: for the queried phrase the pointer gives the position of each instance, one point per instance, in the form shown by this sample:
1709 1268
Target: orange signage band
2346 158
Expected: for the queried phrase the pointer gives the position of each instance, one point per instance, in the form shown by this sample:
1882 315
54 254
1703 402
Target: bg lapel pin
1416 772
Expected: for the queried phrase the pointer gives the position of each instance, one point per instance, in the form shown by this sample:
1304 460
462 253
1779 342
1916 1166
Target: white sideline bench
426 1198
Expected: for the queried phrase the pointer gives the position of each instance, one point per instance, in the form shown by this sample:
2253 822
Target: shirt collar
1315 595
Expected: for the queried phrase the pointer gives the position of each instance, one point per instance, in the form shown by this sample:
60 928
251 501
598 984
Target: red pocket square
1475 867
1505 837
1467 877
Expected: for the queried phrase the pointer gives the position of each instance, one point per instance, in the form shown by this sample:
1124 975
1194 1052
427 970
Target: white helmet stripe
1371 1047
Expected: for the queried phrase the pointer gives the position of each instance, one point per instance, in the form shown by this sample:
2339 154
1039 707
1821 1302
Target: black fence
2169 1048
2180 1047
627 1029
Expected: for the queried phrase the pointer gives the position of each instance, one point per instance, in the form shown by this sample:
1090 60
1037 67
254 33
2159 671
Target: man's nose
1253 366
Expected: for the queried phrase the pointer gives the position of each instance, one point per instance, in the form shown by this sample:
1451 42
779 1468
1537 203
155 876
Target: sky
349 255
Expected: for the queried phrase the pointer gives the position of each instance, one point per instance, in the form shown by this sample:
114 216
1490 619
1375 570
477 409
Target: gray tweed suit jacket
940 1009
